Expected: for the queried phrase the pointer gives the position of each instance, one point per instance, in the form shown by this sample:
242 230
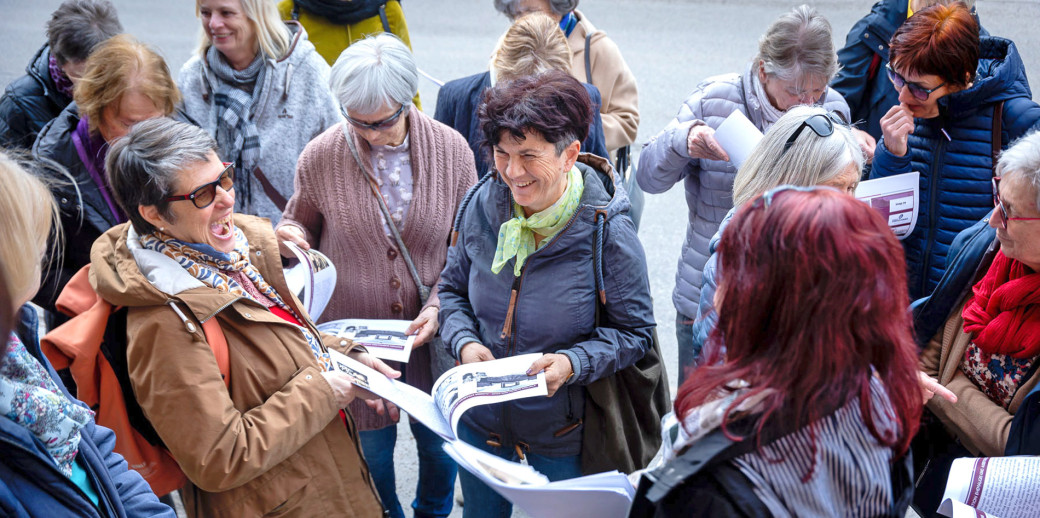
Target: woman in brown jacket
422 169
273 440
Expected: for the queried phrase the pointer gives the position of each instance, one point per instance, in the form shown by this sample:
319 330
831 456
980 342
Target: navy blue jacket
31 485
29 103
863 82
556 305
457 103
955 172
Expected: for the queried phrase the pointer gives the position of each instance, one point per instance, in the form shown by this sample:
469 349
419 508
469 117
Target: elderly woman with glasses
807 146
962 98
795 61
981 327
261 431
421 170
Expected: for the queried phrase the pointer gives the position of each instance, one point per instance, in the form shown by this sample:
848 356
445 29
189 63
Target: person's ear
762 71
150 213
570 154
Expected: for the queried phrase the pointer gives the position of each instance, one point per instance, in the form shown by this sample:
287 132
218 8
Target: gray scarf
236 100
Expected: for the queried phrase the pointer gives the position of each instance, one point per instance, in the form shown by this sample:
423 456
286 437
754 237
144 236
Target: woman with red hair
962 98
810 407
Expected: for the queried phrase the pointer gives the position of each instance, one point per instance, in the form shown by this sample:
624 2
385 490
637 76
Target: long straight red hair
812 296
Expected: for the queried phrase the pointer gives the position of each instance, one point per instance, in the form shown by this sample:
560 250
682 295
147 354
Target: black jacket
29 103
84 213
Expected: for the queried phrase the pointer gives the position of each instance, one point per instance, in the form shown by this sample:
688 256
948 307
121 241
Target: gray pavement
670 45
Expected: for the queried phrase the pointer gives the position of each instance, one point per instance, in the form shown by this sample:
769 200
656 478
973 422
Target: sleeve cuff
679 136
576 365
456 348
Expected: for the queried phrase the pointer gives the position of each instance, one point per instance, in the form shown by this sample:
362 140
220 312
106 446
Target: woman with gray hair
981 331
261 90
795 61
377 194
225 363
31 101
808 146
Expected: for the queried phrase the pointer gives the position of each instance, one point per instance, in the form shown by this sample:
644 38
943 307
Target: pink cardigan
339 215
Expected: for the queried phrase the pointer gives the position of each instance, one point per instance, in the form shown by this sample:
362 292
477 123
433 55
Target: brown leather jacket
271 443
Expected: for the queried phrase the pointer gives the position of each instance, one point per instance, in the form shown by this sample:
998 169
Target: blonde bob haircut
29 212
272 35
120 65
811 159
533 44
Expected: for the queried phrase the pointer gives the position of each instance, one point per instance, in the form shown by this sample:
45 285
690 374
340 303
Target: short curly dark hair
552 104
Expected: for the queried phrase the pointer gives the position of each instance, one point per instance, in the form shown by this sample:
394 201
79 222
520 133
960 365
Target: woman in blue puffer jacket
543 246
962 98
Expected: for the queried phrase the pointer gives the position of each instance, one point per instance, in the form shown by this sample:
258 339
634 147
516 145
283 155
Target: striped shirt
851 476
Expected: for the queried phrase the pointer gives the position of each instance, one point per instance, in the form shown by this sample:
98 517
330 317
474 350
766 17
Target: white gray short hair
559 7
811 160
1023 158
375 72
798 45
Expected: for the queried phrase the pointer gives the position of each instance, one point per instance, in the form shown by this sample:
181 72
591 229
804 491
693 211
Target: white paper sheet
604 495
738 136
312 280
385 339
897 198
1008 487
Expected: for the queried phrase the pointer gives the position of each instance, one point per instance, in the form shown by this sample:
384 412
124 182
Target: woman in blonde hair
533 44
125 82
56 461
262 91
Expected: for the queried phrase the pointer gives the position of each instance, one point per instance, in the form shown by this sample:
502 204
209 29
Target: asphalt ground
670 45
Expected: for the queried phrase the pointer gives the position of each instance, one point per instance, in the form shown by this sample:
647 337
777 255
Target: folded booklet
604 495
1005 487
385 339
312 280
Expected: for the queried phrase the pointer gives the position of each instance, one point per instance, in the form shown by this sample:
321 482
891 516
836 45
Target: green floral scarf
516 236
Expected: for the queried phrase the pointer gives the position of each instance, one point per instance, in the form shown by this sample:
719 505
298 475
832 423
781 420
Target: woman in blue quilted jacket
962 98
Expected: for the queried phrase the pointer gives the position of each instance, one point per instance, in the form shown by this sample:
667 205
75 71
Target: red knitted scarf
1003 316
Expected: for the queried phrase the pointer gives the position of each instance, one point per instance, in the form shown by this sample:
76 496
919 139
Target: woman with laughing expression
272 438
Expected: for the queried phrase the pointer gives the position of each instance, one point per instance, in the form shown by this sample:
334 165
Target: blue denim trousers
484 502
435 490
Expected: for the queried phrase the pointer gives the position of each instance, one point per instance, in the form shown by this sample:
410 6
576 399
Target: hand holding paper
738 136
701 143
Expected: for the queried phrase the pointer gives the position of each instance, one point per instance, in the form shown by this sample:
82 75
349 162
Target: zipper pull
947 135
507 326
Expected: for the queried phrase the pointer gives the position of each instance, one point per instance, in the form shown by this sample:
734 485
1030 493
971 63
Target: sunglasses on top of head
821 124
380 125
919 92
203 196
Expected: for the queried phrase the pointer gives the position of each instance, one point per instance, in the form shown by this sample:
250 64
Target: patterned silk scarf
209 266
516 236
30 398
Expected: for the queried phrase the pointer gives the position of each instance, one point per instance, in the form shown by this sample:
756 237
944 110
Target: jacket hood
1001 75
126 274
601 185
39 69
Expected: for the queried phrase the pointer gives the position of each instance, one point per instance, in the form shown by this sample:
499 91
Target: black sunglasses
204 195
822 124
919 92
383 124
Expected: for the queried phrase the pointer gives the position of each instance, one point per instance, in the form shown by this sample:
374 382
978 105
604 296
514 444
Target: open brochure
1004 487
604 495
384 339
312 280
897 198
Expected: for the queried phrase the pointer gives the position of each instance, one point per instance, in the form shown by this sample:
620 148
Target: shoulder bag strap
424 291
383 18
270 190
588 57
998 139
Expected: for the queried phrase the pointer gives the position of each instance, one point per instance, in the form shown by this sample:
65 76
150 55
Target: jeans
684 339
484 502
435 489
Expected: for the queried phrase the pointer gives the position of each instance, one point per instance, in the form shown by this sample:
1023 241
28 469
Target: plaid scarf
30 398
210 267
237 135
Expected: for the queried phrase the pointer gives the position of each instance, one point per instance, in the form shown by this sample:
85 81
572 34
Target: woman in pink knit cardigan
422 169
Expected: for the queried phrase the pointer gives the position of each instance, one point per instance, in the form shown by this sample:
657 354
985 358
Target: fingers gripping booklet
603 495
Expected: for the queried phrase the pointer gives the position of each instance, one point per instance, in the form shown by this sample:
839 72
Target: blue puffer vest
956 171
555 306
